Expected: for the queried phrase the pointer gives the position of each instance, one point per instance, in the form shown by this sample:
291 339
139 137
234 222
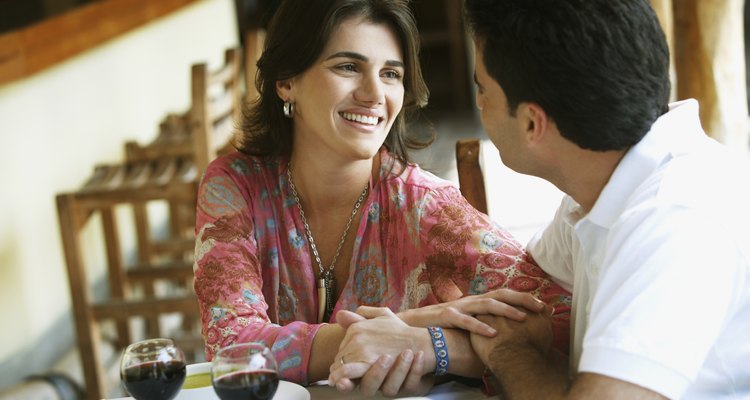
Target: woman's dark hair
297 34
599 68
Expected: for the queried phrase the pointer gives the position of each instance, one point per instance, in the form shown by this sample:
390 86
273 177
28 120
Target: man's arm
527 367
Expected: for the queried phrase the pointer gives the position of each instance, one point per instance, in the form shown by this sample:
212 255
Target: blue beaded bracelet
441 350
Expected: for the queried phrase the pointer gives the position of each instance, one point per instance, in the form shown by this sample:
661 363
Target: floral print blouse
418 243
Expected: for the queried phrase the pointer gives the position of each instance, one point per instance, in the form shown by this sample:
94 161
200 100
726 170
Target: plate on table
197 386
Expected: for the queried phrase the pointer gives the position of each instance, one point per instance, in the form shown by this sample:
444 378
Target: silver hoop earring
288 109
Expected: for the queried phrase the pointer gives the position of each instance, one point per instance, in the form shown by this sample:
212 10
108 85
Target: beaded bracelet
441 350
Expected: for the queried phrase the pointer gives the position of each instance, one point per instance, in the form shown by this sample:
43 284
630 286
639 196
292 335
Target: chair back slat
470 176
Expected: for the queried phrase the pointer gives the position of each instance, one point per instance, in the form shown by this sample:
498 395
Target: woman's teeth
363 119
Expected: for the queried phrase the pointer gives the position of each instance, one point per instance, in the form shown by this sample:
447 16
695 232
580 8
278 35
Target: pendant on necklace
326 290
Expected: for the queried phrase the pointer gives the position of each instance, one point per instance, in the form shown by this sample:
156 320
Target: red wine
154 380
247 385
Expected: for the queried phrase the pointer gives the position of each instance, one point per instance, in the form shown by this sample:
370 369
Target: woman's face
346 102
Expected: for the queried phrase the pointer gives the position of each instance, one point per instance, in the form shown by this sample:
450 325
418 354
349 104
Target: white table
445 391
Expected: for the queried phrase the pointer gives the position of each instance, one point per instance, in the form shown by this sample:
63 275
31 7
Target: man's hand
535 330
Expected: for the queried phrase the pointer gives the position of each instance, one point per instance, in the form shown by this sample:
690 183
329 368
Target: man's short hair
599 68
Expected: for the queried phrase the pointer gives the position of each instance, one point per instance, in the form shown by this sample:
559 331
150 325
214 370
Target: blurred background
80 78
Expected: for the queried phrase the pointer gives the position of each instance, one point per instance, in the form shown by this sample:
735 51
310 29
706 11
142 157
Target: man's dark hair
599 68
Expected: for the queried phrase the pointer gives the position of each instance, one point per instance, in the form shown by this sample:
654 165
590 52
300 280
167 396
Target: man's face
503 129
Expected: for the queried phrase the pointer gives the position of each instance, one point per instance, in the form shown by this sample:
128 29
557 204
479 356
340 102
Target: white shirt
660 266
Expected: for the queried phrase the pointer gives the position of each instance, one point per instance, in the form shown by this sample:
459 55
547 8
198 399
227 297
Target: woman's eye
347 68
392 75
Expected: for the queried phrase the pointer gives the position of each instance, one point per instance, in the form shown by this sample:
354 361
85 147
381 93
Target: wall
54 127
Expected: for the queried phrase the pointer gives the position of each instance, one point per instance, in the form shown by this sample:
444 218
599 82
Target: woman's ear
284 89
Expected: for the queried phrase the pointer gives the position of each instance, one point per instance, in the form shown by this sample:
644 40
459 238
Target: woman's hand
407 376
377 350
460 313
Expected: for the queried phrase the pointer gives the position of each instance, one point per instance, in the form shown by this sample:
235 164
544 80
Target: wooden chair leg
118 285
87 332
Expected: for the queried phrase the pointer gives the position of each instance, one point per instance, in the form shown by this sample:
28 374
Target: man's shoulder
705 179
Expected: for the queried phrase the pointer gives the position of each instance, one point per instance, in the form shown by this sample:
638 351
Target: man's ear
536 121
284 89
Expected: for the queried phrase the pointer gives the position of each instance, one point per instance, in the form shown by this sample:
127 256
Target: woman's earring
288 109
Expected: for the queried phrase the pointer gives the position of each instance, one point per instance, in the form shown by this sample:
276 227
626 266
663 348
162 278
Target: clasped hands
393 352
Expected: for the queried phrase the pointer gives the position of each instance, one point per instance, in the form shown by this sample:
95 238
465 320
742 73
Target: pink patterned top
418 243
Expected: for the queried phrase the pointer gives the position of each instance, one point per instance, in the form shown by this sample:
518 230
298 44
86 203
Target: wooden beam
123 309
31 49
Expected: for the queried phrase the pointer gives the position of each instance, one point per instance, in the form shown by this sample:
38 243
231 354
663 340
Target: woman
320 211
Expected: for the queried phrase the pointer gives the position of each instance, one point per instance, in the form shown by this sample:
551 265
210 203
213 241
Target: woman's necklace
326 280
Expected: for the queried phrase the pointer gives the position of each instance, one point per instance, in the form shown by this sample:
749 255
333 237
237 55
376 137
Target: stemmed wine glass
246 371
152 369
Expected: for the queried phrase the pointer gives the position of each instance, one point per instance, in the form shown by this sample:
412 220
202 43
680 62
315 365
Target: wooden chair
207 128
470 175
159 280
104 197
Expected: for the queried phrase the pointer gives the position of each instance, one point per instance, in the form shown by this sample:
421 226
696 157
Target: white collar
674 133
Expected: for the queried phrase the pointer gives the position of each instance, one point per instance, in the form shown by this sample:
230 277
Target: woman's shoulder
411 175
238 163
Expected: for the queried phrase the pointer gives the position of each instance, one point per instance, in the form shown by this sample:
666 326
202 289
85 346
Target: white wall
54 127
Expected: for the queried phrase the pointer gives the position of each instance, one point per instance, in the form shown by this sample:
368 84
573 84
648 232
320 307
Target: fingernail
340 386
408 356
491 331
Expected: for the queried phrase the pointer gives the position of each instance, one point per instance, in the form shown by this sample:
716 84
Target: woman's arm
382 332
324 349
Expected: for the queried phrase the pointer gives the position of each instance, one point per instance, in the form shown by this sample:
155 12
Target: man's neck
584 173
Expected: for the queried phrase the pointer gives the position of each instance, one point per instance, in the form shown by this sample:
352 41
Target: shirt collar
672 134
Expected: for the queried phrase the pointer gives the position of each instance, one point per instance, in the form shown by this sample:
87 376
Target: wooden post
663 10
710 64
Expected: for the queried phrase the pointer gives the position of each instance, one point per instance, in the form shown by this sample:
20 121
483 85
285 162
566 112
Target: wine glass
246 371
152 369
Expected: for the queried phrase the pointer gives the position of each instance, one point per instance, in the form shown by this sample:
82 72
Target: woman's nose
370 90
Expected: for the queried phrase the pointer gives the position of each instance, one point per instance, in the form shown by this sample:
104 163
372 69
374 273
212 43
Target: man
653 238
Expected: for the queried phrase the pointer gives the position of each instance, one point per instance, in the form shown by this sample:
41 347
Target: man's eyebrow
361 57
